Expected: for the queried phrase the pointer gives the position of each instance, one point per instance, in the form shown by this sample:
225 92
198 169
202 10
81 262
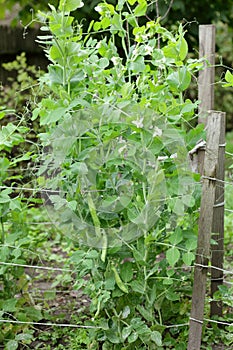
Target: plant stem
3 231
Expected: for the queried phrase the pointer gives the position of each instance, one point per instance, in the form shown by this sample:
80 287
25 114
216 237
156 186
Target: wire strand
49 324
36 267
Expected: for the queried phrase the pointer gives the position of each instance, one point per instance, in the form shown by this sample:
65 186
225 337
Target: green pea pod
97 226
119 282
105 247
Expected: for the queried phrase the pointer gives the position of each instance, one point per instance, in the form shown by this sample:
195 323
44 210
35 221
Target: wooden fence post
206 96
206 76
214 127
217 250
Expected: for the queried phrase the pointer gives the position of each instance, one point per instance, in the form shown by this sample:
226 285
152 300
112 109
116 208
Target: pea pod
105 247
97 226
119 282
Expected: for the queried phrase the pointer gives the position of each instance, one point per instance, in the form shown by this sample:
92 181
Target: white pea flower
138 123
157 132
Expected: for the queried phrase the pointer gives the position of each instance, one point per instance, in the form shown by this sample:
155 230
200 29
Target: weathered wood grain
214 127
206 76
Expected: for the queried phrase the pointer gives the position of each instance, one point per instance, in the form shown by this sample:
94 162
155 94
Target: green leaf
191 244
170 295
140 9
105 9
110 281
189 106
180 80
112 336
97 26
126 271
4 199
11 345
120 5
55 53
103 62
138 65
2 115
173 255
58 201
138 257
131 2
33 314
105 23
8 305
188 200
60 25
168 281
70 5
72 205
146 314
79 168
138 286
177 206
4 253
184 79
188 258
55 74
53 116
35 113
176 237
133 337
156 337
125 200
16 252
194 135
126 331
229 77
92 254
183 48
126 312
24 337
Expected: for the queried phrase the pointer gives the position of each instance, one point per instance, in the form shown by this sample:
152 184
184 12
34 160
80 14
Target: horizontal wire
31 189
23 169
214 268
227 272
195 320
35 290
218 180
49 324
215 321
35 223
36 267
176 325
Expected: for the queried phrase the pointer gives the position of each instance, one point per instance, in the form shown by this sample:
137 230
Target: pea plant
11 135
15 241
114 161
